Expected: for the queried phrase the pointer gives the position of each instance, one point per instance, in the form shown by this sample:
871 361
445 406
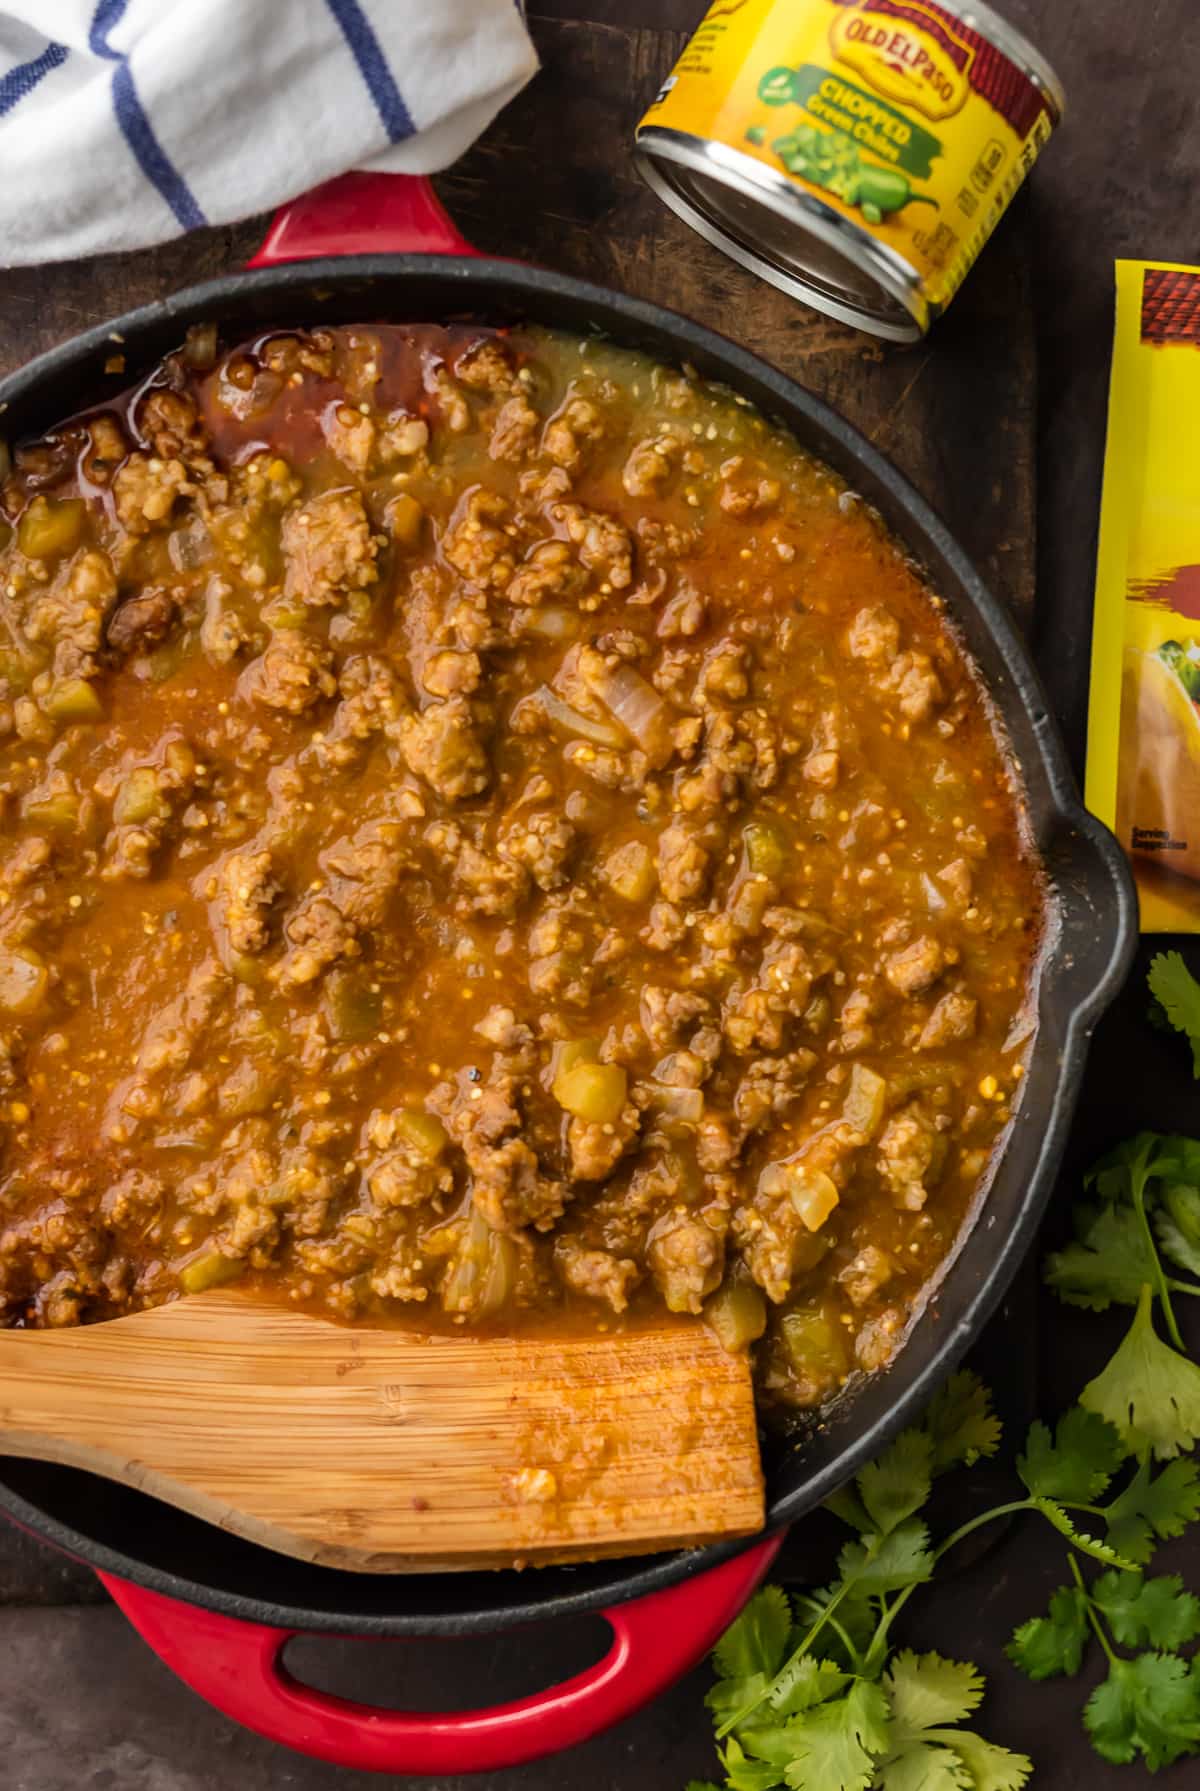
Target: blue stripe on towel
107 14
24 78
136 127
372 66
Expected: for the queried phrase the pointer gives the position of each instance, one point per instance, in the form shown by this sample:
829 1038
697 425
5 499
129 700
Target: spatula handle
237 1667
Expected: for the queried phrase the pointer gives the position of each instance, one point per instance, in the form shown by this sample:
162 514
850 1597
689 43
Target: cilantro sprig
1149 1702
812 1692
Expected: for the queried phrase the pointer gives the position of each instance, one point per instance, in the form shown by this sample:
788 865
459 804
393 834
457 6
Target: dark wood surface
82 1702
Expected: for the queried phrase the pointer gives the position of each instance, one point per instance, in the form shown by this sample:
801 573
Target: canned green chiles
858 153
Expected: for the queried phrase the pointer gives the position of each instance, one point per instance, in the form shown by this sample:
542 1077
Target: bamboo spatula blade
381 1450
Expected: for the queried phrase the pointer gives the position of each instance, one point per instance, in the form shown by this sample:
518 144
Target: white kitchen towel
125 122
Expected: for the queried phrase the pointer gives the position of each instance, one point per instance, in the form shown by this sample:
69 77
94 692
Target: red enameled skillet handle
362 214
237 1668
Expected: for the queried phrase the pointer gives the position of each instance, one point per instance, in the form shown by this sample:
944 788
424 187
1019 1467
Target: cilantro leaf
889 1563
1149 1705
919 1766
992 1768
728 1697
960 1423
925 1690
772 1743
1177 1224
1078 1464
846 1504
1153 1506
1126 1167
803 1682
898 1482
1157 1613
1109 1262
1131 1166
1178 994
1046 1646
836 1746
1148 1391
742 1774
1083 1541
756 1642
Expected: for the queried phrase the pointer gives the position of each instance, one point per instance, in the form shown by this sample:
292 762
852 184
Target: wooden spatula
380 1450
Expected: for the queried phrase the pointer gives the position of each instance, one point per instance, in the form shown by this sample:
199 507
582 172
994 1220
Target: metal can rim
703 155
1013 44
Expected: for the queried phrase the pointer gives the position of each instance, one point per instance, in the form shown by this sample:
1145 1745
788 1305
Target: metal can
856 153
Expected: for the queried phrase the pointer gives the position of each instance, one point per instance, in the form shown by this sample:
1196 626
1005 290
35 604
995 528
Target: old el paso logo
903 61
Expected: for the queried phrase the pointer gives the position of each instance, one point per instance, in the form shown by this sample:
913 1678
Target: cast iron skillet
150 1548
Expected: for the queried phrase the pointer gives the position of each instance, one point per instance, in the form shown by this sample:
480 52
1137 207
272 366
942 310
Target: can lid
784 233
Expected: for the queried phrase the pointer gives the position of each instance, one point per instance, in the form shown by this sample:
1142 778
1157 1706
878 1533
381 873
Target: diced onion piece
814 1196
637 706
189 546
737 1314
594 1092
551 624
483 1275
866 1100
210 1268
813 1193
574 721
681 1103
24 980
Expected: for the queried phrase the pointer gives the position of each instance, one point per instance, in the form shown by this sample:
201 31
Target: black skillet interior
1090 940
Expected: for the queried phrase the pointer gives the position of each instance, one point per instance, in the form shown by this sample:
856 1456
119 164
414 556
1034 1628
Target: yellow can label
914 126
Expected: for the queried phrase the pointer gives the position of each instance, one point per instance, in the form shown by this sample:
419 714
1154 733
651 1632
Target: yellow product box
1143 759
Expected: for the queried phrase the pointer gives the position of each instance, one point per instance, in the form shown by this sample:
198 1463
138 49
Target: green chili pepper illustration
831 160
756 135
885 190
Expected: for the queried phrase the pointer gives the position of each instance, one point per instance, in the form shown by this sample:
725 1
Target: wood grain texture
381 1450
